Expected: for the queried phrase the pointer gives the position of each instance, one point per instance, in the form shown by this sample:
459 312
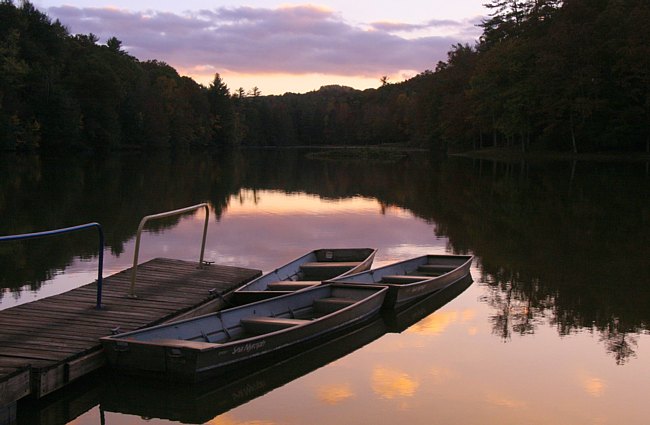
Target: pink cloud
435 23
294 40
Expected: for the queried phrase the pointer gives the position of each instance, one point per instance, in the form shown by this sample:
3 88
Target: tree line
60 91
568 75
549 74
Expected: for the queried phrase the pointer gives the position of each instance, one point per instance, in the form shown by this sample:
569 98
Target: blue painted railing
69 230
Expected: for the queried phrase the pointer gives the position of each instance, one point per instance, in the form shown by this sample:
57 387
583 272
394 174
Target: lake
552 330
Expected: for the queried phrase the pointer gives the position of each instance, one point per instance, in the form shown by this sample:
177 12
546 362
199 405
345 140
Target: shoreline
507 154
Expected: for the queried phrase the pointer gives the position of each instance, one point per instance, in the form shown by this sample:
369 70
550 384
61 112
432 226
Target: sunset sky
278 46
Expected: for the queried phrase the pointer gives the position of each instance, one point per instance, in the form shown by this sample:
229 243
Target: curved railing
69 230
134 270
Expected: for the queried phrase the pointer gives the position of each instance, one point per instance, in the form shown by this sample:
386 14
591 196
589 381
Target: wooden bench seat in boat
329 305
327 269
292 285
435 268
264 324
182 343
397 279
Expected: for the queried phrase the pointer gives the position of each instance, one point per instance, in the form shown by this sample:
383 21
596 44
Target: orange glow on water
595 387
440 375
335 394
505 401
227 419
392 383
270 202
435 324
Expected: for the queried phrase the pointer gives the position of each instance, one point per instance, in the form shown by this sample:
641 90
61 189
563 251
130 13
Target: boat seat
329 305
292 285
327 269
263 324
435 268
183 343
397 279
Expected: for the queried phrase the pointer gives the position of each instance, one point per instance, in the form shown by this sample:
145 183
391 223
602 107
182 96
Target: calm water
553 329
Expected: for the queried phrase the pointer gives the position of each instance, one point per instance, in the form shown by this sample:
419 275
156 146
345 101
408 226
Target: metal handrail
134 270
68 230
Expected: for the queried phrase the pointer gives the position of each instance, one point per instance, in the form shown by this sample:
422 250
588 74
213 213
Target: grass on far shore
374 153
395 152
515 154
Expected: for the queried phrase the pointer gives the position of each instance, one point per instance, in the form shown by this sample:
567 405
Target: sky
280 47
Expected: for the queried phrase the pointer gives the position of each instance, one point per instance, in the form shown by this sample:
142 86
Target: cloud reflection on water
275 228
434 324
334 394
264 229
594 386
228 419
391 383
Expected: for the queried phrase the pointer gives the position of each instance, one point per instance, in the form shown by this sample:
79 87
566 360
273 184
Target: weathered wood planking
47 343
15 384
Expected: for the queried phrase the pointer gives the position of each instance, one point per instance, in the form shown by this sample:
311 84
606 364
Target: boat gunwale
123 337
464 265
367 262
402 294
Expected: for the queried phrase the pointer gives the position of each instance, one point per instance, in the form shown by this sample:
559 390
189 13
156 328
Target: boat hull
403 283
334 263
172 351
199 403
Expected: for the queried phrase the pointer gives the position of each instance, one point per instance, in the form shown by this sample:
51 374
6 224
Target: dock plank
49 342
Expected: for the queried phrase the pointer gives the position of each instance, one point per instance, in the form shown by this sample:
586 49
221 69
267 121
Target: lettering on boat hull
248 348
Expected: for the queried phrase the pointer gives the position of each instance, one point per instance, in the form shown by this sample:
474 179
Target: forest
545 75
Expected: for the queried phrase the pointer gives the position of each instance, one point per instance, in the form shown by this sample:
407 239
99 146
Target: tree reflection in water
563 244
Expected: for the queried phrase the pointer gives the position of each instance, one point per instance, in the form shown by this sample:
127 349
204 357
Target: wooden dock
48 343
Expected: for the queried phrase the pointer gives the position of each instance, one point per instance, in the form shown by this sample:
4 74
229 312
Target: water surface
553 330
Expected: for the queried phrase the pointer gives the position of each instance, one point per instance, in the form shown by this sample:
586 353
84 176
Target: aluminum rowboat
194 349
414 278
309 270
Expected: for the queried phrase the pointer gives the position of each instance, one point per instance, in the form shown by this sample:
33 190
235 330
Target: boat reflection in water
201 402
400 320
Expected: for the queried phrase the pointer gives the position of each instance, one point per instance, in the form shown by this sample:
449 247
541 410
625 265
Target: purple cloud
434 23
295 40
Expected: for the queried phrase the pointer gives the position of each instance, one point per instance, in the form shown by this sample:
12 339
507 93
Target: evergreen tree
221 111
